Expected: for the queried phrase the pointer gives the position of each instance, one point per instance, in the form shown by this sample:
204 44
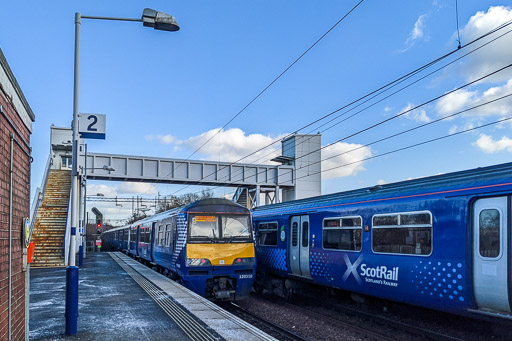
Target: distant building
16 119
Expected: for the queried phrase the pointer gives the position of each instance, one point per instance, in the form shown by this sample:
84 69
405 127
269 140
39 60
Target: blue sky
165 93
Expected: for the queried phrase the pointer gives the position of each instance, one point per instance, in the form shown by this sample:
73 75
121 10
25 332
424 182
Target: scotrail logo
378 274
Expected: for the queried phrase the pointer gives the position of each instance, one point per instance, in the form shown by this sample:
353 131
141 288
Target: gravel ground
275 310
308 327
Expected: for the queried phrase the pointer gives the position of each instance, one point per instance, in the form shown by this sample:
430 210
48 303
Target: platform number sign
92 126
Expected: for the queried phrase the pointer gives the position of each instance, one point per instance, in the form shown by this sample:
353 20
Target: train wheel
258 288
288 294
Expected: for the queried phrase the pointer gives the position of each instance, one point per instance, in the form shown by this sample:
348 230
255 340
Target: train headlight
244 261
198 262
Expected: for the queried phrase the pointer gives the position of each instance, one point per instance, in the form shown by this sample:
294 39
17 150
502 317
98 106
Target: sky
165 94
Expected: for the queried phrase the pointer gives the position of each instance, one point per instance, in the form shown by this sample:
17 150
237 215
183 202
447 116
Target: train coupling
223 288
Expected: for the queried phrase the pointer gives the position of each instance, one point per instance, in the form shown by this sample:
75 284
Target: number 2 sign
92 126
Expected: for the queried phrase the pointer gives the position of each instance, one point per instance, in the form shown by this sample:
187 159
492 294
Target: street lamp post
150 18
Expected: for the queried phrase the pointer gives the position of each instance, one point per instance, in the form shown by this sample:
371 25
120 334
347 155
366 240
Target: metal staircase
50 223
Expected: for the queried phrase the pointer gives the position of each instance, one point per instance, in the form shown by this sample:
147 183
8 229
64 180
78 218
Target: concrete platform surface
121 299
111 305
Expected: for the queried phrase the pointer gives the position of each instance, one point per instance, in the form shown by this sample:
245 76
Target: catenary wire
399 133
275 80
381 89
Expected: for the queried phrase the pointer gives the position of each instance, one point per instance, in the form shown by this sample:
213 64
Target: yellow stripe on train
220 254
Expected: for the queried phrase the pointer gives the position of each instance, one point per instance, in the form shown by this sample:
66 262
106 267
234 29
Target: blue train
208 246
442 242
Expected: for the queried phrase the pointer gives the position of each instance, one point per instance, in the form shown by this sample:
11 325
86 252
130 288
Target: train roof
481 176
213 205
210 205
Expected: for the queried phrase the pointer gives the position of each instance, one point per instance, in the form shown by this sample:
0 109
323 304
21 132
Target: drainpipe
10 237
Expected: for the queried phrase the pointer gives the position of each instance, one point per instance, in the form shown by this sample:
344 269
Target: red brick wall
21 208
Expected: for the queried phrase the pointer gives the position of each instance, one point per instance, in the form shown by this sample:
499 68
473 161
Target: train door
491 253
299 246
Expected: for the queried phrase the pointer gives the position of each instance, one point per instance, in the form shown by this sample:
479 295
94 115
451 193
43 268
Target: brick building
16 119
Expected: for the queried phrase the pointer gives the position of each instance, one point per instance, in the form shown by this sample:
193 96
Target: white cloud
232 144
163 139
107 191
417 31
418 115
463 99
494 55
137 188
381 182
338 160
490 146
387 109
454 129
454 102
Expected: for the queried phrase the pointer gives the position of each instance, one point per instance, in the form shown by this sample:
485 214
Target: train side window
305 234
407 233
161 235
489 228
267 234
295 233
174 234
168 235
133 234
342 233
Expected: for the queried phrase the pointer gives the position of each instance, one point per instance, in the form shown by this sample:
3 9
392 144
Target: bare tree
174 201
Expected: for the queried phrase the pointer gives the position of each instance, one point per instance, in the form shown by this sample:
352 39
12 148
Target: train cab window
489 228
402 233
168 235
204 228
267 234
342 233
236 228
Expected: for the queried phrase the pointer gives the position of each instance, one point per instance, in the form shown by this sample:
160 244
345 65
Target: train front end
220 256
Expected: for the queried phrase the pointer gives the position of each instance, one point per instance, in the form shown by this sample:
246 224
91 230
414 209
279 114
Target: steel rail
409 328
341 324
283 332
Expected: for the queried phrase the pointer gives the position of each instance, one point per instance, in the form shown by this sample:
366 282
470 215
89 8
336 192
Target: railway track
397 325
341 324
270 328
376 319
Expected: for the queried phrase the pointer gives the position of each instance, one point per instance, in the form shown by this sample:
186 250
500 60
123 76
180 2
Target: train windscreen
220 228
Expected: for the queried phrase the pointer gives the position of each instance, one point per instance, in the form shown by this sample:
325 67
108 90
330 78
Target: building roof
14 82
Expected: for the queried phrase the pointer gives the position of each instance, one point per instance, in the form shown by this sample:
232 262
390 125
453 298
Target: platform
121 299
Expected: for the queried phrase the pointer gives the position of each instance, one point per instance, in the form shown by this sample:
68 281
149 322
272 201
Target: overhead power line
275 80
408 130
382 89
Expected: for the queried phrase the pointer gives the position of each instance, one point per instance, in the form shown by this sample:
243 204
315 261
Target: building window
67 162
402 233
489 227
267 234
342 233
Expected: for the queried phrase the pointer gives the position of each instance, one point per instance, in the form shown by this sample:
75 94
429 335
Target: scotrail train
208 246
442 242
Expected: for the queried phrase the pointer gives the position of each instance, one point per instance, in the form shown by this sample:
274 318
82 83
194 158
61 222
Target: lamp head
159 20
